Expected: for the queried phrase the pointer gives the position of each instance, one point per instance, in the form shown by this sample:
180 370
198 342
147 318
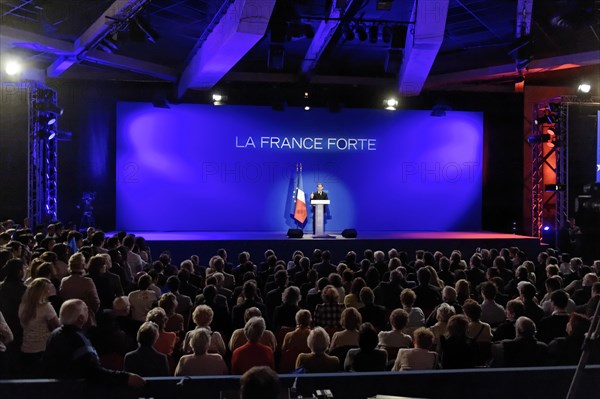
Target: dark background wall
87 163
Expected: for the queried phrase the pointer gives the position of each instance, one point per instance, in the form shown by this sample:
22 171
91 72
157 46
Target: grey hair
200 340
254 328
318 340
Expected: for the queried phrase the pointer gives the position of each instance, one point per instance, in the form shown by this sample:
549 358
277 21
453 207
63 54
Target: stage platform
182 244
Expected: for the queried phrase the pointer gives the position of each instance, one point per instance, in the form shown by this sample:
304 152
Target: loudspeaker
295 233
349 233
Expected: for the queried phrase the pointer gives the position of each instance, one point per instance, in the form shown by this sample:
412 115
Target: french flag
300 200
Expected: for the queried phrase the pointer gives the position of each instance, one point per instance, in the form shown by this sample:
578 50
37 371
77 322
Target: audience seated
327 314
145 360
252 353
443 314
366 357
456 350
238 338
395 339
201 362
317 361
416 317
523 351
296 340
202 317
350 321
419 357
259 383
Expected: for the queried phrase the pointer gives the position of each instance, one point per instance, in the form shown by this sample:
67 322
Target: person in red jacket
252 353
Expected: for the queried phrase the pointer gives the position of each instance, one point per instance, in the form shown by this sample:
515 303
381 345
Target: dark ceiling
478 34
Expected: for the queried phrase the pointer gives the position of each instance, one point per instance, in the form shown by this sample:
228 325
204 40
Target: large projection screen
232 168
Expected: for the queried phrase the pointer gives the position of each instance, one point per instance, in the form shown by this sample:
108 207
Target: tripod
587 348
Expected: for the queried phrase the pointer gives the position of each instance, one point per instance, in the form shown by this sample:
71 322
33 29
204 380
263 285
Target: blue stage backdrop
232 168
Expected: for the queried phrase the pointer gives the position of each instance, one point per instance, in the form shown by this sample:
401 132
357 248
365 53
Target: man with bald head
523 351
70 355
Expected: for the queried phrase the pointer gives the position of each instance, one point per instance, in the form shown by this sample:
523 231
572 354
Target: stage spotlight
361 33
391 104
584 87
306 101
546 228
218 99
386 34
53 109
51 134
539 138
349 34
551 188
373 33
13 67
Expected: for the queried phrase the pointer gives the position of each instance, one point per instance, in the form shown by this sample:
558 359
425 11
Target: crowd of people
76 305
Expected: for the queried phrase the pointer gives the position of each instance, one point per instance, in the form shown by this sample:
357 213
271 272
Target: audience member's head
260 383
367 337
423 338
303 318
525 327
330 294
472 309
202 315
147 334
457 326
398 319
350 319
251 312
200 340
514 309
73 312
254 329
408 297
291 295
158 316
366 296
444 313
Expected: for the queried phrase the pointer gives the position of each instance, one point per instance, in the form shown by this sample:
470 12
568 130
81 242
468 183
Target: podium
319 216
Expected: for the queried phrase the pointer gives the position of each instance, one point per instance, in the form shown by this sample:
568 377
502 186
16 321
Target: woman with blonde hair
201 362
38 319
463 291
202 317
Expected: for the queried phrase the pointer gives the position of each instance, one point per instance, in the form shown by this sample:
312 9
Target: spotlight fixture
373 33
386 34
391 104
13 67
539 138
52 108
584 87
218 99
306 101
361 33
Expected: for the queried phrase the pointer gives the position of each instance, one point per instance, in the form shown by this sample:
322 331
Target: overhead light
373 33
391 104
13 67
361 33
218 99
306 101
584 87
386 34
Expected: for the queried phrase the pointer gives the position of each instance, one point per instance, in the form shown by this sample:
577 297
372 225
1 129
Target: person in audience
371 313
335 279
259 383
456 350
554 284
590 308
76 286
6 337
142 299
477 331
252 353
184 302
201 362
325 267
443 314
314 295
448 297
317 361
566 351
491 312
527 293
134 261
238 337
250 301
555 325
202 317
108 288
416 317
463 291
366 357
12 289
274 296
420 357
297 340
395 338
166 340
350 321
174 323
285 314
38 319
145 360
523 351
506 329
584 294
70 355
328 313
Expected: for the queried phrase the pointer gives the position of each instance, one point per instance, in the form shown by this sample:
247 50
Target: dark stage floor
182 244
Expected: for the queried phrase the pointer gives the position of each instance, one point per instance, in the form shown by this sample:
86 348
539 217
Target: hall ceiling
199 44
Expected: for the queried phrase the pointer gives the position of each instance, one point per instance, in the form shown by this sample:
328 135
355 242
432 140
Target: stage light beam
584 87
13 67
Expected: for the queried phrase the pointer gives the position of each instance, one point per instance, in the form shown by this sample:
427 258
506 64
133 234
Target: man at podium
319 194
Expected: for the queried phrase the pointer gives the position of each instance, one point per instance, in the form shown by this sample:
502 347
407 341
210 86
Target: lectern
319 215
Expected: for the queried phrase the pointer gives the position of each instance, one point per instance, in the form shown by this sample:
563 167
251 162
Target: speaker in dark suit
318 195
